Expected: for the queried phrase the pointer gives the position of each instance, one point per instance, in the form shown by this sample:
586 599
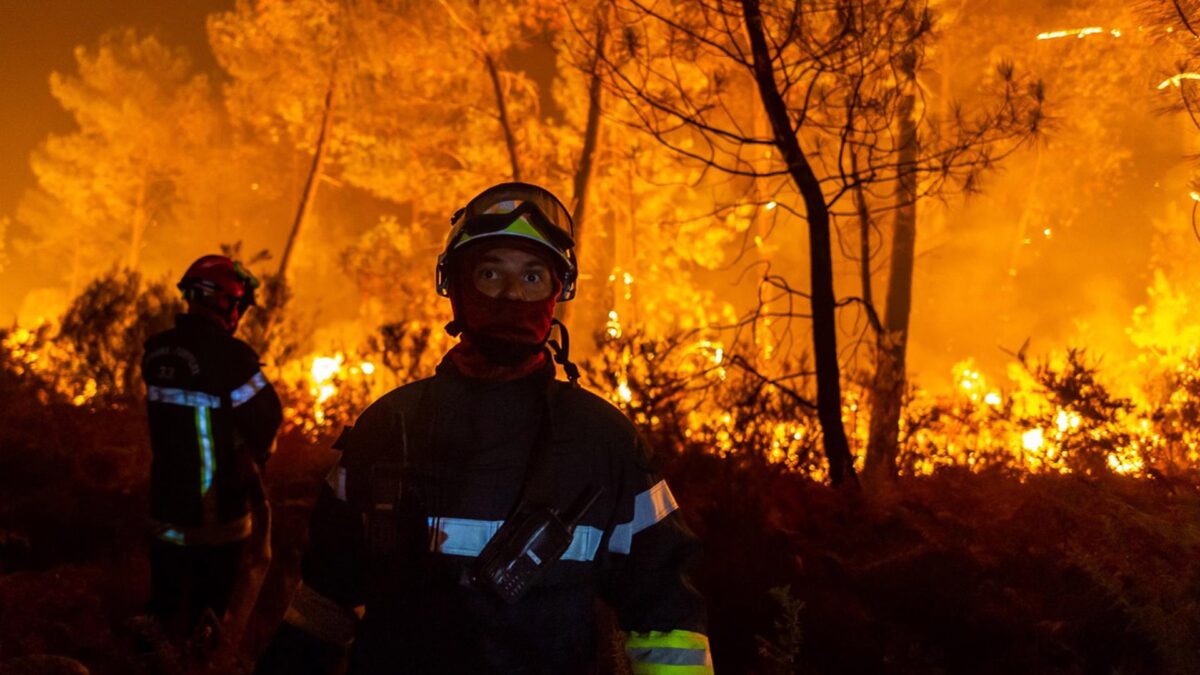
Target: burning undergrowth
1043 524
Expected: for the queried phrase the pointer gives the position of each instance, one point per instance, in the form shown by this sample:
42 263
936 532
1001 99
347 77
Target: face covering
500 338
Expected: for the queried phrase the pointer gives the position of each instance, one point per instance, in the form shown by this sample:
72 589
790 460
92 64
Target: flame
1033 440
1067 421
322 372
983 422
1077 32
325 367
624 393
1177 80
613 327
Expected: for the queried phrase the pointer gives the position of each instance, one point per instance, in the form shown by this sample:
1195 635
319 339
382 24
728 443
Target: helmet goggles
221 281
515 210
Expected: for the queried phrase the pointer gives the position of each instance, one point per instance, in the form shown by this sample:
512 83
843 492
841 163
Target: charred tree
591 134
865 228
824 306
887 392
510 140
309 194
585 169
826 77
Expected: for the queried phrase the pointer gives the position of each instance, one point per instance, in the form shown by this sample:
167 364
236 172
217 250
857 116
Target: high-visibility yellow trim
676 652
665 669
205 441
678 639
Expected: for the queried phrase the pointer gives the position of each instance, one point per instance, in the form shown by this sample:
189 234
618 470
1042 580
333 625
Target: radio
526 545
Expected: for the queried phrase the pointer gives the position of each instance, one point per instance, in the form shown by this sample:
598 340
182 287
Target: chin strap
562 353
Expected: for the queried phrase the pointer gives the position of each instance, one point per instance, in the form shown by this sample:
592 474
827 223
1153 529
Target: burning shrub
321 393
687 392
324 391
23 366
409 350
1176 407
104 328
1090 428
1057 417
95 354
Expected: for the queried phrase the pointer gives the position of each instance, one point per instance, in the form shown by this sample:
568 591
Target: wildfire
1077 32
323 370
613 327
1177 81
626 281
980 424
624 393
321 384
29 353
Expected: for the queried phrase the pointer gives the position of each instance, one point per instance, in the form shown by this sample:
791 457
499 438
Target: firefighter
213 417
474 517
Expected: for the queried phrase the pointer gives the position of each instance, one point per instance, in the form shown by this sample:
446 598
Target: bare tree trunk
509 139
309 195
591 138
824 326
478 35
891 347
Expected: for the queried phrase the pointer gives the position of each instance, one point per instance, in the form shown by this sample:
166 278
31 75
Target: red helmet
219 286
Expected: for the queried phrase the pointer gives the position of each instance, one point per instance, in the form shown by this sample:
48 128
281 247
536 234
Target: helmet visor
516 210
250 285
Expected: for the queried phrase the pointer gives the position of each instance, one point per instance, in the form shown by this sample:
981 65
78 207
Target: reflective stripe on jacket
464 444
212 413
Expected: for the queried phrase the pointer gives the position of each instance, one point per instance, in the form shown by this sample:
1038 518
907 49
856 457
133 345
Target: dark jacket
213 418
462 446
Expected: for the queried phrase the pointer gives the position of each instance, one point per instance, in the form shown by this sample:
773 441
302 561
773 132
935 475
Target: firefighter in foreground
475 516
213 418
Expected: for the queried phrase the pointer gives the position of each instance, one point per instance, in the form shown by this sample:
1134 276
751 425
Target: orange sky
39 37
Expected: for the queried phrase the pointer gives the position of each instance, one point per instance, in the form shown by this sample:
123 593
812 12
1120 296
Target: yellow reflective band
523 227
665 669
677 652
678 639
204 439
518 228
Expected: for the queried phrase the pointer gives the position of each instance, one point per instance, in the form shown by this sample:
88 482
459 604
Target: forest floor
954 573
